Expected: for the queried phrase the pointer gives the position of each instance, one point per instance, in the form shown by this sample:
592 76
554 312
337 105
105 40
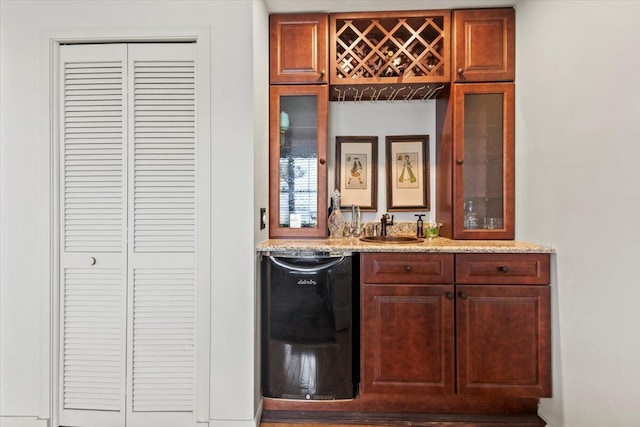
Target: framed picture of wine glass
407 164
357 171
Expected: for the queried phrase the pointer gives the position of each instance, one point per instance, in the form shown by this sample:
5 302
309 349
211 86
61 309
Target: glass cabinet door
484 157
297 163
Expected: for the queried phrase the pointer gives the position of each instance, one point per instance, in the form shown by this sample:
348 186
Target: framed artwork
407 161
357 171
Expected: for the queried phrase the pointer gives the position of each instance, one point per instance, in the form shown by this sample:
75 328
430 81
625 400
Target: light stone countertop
439 244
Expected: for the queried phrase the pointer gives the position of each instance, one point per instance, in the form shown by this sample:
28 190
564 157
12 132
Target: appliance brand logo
307 282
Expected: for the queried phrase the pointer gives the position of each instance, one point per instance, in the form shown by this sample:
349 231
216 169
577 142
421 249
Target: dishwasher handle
310 269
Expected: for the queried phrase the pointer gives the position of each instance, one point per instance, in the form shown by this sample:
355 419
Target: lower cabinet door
503 340
407 339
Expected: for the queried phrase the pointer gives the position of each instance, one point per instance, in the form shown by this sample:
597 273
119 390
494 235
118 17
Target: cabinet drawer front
514 269
406 268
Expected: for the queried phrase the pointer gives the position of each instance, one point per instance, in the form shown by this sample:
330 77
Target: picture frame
407 169
357 171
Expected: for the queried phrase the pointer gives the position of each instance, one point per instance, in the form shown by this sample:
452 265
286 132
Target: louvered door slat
163 339
93 150
164 156
92 339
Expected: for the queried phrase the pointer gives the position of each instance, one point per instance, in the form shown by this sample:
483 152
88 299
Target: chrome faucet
385 221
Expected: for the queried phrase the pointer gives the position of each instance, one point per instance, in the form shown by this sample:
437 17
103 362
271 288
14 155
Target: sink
391 239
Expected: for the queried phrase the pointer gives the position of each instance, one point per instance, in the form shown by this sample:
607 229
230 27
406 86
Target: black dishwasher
307 325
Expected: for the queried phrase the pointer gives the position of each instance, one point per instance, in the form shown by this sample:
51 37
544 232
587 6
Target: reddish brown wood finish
412 404
298 48
503 341
483 45
507 90
342 419
275 93
450 119
406 268
444 163
380 29
407 339
512 269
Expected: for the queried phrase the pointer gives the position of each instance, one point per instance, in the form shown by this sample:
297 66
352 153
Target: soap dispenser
420 226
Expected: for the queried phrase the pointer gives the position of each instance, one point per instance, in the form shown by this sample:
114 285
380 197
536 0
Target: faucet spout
385 221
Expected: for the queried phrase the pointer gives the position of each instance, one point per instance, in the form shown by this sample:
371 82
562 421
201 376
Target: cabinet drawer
513 269
406 268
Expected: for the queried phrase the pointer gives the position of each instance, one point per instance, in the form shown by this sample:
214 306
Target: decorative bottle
470 217
336 220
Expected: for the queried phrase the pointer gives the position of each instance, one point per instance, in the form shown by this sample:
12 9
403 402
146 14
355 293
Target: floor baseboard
351 419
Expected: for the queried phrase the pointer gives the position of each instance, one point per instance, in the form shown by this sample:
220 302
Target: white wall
24 183
382 119
261 158
578 175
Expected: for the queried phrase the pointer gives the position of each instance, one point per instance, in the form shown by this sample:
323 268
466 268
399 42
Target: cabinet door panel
297 161
503 341
298 48
483 155
484 45
407 339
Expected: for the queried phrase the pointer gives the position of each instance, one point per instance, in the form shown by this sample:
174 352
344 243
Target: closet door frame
49 260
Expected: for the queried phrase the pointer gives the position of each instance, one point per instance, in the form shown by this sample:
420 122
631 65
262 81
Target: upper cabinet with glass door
297 161
475 173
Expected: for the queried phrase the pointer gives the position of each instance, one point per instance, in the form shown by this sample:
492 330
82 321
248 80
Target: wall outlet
263 218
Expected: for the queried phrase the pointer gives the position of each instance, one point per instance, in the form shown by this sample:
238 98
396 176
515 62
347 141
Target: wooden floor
353 419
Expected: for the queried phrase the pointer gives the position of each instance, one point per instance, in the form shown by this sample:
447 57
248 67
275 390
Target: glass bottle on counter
336 220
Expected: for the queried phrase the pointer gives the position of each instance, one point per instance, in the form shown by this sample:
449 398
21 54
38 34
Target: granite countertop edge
439 244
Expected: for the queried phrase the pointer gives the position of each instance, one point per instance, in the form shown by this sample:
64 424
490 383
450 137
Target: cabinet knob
449 295
463 295
503 269
460 161
322 161
460 71
92 260
322 73
408 268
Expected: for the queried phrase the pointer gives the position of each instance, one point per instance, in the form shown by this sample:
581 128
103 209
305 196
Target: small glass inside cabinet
298 163
483 161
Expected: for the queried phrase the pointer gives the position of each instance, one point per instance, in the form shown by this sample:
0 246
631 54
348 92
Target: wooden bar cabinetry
389 55
475 172
483 45
298 49
407 324
297 161
500 306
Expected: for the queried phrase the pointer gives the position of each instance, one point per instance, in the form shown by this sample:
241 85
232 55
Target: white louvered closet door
93 235
161 378
127 221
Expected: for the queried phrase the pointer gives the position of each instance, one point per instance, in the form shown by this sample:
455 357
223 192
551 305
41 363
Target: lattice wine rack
391 48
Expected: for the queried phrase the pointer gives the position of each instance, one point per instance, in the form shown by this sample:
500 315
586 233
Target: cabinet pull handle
460 71
503 269
449 295
408 268
92 260
322 161
460 161
463 295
